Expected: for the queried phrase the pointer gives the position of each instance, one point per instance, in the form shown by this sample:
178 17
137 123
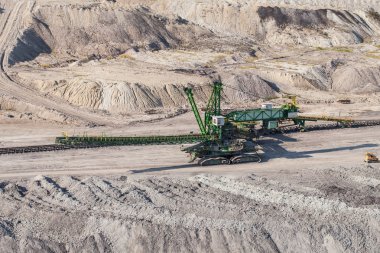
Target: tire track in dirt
222 214
298 201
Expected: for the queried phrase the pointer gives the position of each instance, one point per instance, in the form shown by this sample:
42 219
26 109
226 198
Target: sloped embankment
124 96
78 31
286 23
107 30
99 31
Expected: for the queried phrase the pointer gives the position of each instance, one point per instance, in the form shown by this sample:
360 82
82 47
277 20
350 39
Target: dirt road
281 152
312 193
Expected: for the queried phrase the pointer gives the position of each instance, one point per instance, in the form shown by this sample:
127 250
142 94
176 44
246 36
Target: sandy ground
332 147
99 67
311 193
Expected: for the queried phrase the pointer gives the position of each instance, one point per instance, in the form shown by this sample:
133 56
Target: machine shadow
157 169
273 149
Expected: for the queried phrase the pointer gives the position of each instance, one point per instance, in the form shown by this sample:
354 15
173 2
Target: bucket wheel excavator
224 138
228 141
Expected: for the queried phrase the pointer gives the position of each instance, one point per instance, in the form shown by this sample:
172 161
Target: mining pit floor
311 193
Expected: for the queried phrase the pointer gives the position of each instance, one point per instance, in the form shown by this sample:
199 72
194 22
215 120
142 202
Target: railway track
288 129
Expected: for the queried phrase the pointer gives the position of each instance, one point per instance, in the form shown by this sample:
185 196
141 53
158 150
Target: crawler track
288 129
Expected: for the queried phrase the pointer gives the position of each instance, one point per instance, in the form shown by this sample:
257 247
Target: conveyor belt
30 149
131 140
78 143
64 143
328 126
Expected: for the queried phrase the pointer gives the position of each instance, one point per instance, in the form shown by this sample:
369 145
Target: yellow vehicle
371 158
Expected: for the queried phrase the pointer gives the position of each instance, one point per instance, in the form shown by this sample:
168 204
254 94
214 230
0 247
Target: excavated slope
99 31
279 23
335 75
90 31
357 79
122 97
104 30
302 4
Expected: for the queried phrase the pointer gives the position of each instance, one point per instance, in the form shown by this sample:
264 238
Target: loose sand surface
311 193
119 67
298 150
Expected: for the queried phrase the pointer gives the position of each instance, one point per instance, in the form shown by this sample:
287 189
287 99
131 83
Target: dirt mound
99 31
312 27
32 112
108 29
357 79
277 24
123 96
245 86
29 46
116 97
304 4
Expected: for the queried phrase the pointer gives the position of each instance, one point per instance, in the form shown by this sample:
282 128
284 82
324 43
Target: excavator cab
292 106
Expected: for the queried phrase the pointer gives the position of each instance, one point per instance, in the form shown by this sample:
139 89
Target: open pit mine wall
110 29
325 25
98 31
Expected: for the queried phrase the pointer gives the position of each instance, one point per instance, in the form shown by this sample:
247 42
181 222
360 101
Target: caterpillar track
282 130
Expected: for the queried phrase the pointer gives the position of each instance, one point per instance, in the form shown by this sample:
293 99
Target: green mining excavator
227 138
232 136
